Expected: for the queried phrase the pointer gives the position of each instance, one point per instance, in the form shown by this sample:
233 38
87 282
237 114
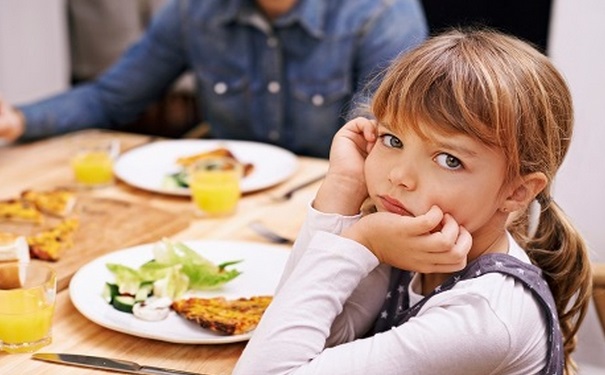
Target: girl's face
407 174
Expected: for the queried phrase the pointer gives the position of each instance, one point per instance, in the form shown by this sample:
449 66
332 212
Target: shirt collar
311 14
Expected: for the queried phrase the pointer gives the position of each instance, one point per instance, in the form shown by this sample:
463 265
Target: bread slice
58 202
13 248
221 152
51 243
14 254
229 317
19 211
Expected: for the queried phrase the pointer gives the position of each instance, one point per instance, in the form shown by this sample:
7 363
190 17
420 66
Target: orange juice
25 318
93 168
26 312
215 189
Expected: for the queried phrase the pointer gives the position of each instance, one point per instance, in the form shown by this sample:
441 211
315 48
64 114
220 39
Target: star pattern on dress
397 310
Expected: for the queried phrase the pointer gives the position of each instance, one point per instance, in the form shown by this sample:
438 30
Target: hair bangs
454 85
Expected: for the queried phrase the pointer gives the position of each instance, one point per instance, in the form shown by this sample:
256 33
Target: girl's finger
463 243
427 222
449 230
369 130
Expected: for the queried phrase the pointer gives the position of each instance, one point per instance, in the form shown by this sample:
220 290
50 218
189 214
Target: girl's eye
390 140
448 161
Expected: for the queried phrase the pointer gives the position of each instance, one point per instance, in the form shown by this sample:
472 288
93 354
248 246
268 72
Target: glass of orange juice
27 304
93 162
215 186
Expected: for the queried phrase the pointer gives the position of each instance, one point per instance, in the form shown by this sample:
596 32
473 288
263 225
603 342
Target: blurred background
46 46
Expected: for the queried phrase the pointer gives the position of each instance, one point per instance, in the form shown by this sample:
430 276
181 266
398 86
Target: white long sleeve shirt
332 290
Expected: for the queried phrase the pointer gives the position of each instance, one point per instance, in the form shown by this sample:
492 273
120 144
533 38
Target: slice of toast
229 317
58 202
14 253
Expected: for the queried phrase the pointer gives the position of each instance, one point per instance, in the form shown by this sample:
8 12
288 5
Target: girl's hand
12 123
344 188
430 243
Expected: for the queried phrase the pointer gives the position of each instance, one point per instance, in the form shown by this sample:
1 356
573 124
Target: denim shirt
288 82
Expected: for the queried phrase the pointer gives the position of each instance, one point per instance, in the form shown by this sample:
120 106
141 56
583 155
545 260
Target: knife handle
164 371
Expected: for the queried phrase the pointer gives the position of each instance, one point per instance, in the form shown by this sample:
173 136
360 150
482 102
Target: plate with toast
190 318
159 166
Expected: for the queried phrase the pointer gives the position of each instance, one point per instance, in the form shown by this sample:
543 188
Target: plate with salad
109 288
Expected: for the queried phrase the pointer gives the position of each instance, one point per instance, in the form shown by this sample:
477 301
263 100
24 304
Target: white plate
261 269
145 167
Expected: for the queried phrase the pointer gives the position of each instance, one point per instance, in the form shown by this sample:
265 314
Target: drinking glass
27 303
215 186
92 163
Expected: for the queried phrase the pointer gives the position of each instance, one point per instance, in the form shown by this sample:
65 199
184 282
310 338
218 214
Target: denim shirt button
274 135
220 88
273 87
272 42
317 100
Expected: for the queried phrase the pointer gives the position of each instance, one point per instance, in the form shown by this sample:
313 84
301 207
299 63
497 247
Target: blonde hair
503 92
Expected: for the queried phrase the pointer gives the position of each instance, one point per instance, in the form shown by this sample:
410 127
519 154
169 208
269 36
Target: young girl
469 131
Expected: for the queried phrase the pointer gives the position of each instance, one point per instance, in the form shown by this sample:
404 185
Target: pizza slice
20 211
51 243
229 317
58 202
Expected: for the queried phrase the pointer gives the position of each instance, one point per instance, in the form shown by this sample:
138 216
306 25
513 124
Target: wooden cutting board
106 225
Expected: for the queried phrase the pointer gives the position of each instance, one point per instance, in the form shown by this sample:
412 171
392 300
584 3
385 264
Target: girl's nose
404 174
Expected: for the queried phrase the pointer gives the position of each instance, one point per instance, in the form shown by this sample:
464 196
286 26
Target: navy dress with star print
397 311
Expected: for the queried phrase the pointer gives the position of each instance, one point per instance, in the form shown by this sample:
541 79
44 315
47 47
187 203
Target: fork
288 194
260 229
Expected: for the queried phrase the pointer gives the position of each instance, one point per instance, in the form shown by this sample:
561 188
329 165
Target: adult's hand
12 122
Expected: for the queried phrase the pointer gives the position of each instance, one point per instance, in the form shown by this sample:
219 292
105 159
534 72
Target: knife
108 364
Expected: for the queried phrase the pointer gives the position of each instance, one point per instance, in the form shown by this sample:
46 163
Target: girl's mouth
393 205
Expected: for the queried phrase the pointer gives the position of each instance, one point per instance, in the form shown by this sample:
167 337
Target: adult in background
278 71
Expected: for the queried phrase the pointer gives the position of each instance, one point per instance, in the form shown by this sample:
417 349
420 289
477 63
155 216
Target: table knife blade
110 364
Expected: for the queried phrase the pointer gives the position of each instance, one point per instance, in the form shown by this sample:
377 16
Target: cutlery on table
260 229
108 364
288 194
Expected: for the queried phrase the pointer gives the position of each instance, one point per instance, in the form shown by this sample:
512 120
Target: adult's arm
142 75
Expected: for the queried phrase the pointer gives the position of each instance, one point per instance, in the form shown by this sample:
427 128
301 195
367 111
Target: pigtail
559 250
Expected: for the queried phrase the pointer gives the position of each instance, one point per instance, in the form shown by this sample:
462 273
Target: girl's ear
525 191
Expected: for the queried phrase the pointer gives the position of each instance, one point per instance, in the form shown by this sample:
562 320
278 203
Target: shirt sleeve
315 221
460 336
365 301
141 75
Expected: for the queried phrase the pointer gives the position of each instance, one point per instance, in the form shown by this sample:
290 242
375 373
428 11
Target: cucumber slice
110 291
124 303
176 180
181 178
144 291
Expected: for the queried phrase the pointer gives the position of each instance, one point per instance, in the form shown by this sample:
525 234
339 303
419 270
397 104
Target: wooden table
44 165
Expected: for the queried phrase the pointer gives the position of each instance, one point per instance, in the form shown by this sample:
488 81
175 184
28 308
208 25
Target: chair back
598 292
